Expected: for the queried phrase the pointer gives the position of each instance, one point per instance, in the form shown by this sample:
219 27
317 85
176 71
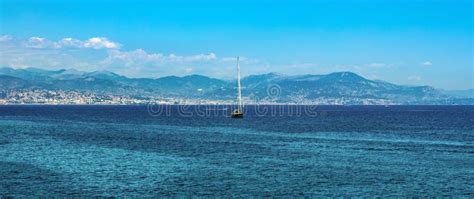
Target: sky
408 42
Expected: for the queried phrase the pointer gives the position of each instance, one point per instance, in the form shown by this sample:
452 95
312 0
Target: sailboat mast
239 95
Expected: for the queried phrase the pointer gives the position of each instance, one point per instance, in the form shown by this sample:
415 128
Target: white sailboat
237 113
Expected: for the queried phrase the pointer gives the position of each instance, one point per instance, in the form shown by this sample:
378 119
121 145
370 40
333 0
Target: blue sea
407 151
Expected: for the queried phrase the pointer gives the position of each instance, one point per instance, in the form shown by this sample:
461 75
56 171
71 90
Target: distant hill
347 87
469 93
10 82
111 83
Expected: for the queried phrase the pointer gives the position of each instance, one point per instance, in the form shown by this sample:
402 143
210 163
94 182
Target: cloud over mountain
94 42
101 53
139 55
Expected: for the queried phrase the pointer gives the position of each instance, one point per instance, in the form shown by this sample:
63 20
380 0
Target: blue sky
405 42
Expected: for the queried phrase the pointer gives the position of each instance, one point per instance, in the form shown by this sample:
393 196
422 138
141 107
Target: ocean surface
201 151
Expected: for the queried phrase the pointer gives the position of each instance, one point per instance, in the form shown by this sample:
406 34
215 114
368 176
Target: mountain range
344 87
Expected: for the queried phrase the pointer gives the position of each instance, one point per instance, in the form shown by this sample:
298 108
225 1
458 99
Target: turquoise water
329 151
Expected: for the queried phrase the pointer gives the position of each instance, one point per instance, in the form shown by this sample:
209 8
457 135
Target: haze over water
160 151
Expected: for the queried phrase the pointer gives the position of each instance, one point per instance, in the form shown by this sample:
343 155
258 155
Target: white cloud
38 42
414 78
70 42
100 42
99 53
376 65
206 57
140 56
427 63
141 63
5 38
94 43
199 57
188 70
233 59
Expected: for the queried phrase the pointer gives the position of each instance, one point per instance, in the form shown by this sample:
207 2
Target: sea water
200 151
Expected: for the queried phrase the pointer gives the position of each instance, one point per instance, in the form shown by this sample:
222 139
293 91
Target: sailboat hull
237 115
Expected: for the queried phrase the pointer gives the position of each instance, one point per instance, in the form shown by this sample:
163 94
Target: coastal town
63 97
59 97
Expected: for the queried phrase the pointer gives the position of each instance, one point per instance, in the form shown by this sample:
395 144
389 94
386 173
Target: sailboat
237 113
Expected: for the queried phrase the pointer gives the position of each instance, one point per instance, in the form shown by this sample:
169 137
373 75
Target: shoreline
346 105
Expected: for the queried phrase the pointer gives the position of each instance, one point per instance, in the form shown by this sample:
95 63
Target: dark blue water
273 151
